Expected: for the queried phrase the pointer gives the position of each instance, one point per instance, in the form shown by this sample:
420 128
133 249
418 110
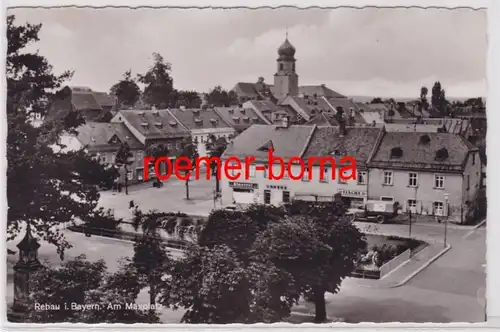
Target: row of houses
143 128
430 173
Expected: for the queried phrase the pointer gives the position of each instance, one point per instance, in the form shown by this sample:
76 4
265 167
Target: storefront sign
352 193
243 185
272 186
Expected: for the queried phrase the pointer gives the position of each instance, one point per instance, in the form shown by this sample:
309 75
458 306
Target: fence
394 263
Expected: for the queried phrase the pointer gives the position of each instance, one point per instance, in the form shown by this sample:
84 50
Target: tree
79 283
188 99
187 160
158 90
46 186
215 147
424 104
151 259
126 91
123 159
376 100
438 100
221 98
318 249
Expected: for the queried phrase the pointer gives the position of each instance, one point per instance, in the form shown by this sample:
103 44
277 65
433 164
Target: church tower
286 80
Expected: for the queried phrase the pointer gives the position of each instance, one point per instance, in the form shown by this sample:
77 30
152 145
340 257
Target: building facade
436 174
307 143
204 123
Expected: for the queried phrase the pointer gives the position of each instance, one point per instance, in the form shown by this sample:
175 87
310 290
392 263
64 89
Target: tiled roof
456 126
239 118
358 142
347 105
319 90
313 106
199 118
421 128
420 155
104 99
99 136
155 124
243 89
323 119
287 142
84 101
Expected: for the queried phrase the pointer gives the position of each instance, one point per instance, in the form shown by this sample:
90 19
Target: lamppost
446 195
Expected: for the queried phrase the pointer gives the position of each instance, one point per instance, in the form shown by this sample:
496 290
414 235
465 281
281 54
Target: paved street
452 289
169 198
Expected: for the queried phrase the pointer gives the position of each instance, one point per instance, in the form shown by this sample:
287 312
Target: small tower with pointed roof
286 80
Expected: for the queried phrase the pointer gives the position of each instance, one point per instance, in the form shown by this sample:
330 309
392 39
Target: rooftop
154 124
239 118
97 135
357 142
419 152
287 142
199 118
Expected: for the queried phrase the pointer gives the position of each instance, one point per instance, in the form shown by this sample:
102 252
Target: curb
480 224
423 267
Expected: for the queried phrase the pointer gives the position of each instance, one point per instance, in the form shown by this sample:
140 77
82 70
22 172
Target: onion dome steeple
286 50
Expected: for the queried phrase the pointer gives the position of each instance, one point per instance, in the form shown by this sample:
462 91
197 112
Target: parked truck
378 211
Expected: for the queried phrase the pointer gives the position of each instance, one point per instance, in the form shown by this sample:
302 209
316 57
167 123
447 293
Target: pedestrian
131 204
438 220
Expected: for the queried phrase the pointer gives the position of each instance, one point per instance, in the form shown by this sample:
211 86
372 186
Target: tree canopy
126 91
158 84
46 185
219 97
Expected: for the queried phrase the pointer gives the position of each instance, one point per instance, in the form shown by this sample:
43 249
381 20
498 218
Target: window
305 177
103 159
286 196
281 66
251 170
412 206
130 176
325 175
139 155
468 182
386 198
473 158
438 181
438 208
412 179
388 181
267 196
266 173
362 177
341 180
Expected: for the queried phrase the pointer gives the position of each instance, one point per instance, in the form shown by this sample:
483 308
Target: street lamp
446 195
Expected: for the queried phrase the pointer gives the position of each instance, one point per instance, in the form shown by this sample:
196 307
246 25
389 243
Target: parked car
379 211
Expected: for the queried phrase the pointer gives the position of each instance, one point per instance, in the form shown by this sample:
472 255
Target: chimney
343 129
285 122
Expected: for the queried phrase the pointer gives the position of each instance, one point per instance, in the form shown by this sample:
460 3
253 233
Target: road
452 289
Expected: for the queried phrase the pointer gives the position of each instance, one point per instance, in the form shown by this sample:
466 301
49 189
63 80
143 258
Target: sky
368 52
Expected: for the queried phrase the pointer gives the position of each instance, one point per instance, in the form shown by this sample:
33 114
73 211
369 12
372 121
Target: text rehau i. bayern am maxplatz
233 166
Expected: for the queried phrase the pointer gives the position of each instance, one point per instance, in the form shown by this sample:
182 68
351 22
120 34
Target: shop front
276 194
353 198
243 193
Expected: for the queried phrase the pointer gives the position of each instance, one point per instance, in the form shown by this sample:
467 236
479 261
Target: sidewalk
405 272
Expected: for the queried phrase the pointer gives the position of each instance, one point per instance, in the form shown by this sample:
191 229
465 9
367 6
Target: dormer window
173 124
213 120
236 119
255 119
159 124
337 153
242 111
144 124
442 154
198 121
396 152
196 111
246 118
157 113
425 139
141 113
231 111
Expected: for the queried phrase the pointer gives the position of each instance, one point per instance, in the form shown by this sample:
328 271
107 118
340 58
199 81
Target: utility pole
446 220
